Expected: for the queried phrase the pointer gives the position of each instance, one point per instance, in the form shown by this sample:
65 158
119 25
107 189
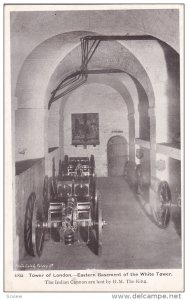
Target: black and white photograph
95 161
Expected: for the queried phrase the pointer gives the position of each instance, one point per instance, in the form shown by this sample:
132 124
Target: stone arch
32 94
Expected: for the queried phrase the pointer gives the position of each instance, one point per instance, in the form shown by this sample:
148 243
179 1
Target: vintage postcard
94 165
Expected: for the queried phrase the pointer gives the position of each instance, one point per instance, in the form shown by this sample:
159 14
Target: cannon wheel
95 205
53 181
60 168
99 228
66 159
98 223
161 213
65 163
92 164
33 230
92 191
46 196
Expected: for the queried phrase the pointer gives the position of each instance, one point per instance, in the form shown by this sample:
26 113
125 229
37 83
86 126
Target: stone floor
130 239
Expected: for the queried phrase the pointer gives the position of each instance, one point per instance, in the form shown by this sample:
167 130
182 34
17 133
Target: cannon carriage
77 166
70 212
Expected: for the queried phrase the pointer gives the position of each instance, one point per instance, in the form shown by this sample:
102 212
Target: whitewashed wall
112 110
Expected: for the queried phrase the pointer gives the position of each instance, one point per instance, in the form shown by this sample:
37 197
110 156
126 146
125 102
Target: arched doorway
117 155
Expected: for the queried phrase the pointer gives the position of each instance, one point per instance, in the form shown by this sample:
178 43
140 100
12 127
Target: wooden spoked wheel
46 196
92 165
98 223
161 212
95 204
65 164
66 159
33 228
60 169
53 181
99 230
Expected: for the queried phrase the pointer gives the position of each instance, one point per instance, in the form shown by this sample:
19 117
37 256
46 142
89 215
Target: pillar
131 119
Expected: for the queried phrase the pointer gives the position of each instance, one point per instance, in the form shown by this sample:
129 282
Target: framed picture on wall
85 129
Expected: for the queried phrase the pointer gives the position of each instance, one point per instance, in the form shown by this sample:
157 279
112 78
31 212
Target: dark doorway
117 154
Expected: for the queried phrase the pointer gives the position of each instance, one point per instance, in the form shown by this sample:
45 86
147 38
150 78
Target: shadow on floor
142 197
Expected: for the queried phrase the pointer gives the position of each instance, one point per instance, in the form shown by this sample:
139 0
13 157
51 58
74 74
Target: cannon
77 166
70 212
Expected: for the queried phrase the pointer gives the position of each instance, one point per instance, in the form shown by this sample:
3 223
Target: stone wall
113 118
